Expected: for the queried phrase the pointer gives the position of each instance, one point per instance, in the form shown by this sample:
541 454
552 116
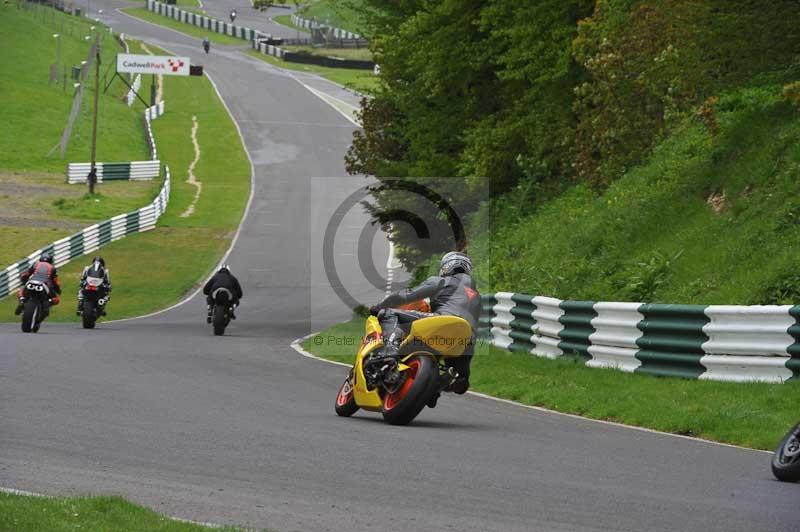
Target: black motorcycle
95 298
36 306
206 45
786 460
222 310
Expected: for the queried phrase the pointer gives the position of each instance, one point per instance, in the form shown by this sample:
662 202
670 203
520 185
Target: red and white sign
153 64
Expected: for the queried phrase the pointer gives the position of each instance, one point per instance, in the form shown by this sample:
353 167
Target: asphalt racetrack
241 429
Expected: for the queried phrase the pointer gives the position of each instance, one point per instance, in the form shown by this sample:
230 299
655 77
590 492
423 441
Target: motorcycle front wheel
402 406
786 460
345 400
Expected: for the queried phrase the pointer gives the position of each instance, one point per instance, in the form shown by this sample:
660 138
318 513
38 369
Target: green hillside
37 114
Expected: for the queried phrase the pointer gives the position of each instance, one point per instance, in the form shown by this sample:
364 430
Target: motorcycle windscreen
448 335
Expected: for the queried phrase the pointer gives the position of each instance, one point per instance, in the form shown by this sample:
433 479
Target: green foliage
792 93
656 234
649 62
524 100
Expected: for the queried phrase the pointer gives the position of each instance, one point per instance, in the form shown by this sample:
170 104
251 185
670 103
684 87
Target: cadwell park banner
153 64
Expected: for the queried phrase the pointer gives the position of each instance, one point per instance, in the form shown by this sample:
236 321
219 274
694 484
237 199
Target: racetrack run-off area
240 429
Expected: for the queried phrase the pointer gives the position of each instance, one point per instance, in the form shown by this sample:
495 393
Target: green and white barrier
337 33
133 171
211 24
98 235
269 49
135 86
714 342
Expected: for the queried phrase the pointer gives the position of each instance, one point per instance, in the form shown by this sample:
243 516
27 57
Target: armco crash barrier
94 236
337 33
714 342
217 26
309 59
136 170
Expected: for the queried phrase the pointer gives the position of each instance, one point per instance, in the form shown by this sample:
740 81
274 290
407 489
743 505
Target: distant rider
233 15
206 44
97 269
222 279
451 293
43 271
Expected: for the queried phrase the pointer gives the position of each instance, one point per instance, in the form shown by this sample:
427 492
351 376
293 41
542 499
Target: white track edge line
325 98
296 345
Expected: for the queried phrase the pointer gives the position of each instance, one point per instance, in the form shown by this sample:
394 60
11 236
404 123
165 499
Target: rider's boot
20 306
208 317
233 316
79 310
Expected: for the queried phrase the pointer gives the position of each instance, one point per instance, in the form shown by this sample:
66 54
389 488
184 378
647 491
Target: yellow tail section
447 335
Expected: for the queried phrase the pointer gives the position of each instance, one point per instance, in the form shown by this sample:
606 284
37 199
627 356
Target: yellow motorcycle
399 387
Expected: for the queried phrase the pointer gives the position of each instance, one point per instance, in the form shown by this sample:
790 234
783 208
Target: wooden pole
93 172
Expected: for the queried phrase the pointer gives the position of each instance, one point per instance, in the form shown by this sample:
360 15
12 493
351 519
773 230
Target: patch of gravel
14 221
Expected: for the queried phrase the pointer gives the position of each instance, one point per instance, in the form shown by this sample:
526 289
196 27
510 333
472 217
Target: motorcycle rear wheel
401 407
88 314
30 314
220 319
786 460
345 400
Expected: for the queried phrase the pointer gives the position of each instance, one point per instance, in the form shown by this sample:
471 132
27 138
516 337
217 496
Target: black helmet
225 269
453 263
100 260
47 257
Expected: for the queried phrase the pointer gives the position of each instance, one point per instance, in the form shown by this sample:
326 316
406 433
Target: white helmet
452 262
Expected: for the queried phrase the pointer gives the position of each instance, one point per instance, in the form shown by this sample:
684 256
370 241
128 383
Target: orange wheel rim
391 400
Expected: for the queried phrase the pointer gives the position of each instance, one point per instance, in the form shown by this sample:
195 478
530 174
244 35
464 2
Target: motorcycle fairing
448 336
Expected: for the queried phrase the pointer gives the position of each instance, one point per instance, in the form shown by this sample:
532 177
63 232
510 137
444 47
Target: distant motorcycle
786 460
206 45
222 310
36 306
233 16
95 299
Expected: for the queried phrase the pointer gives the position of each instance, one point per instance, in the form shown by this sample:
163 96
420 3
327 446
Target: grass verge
182 250
187 29
355 79
34 514
752 415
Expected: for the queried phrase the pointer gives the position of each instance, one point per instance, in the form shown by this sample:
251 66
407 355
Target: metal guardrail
337 33
269 49
135 86
95 236
133 171
211 24
713 342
